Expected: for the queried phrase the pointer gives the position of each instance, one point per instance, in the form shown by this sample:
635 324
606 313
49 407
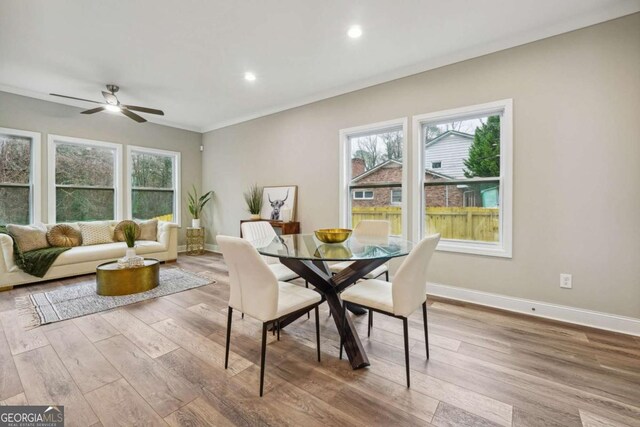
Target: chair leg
426 330
369 323
386 275
306 285
226 351
263 356
342 328
406 348
278 329
318 331
243 315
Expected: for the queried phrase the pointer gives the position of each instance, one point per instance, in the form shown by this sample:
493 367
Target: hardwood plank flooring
161 362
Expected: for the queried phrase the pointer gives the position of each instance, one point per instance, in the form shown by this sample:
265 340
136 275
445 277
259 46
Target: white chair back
253 286
259 233
372 229
409 287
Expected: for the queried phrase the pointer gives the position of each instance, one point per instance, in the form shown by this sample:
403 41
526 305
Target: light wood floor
161 361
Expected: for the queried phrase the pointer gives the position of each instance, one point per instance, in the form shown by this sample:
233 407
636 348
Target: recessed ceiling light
354 31
249 76
113 108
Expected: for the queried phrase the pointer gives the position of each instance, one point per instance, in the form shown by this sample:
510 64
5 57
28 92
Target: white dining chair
399 298
368 230
256 291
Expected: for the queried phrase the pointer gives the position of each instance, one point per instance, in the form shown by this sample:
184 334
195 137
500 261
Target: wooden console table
291 227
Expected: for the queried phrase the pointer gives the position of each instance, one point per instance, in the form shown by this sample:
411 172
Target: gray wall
19 112
576 151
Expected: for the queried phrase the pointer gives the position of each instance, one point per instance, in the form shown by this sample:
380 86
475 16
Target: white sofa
84 259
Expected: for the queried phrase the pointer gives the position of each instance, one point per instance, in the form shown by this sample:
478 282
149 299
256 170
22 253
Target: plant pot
195 223
255 216
130 253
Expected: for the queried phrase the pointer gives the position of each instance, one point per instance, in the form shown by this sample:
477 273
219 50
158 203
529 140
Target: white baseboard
594 319
207 247
182 248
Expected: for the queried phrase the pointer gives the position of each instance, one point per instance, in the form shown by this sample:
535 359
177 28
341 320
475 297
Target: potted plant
196 203
129 232
253 197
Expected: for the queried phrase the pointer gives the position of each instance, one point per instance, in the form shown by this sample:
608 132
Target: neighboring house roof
376 168
438 174
446 134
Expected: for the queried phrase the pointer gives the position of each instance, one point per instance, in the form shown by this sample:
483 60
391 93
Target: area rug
81 299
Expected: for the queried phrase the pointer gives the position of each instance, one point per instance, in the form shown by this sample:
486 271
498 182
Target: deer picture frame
279 201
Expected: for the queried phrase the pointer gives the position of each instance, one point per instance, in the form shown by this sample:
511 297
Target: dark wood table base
318 274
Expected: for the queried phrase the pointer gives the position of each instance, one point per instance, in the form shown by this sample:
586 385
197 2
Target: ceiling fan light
113 108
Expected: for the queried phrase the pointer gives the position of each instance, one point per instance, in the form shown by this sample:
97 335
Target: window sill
474 248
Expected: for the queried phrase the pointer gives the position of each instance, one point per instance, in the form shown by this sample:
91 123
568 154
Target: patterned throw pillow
149 230
64 235
28 237
95 233
118 233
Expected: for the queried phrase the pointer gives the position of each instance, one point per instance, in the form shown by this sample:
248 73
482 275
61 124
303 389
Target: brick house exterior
391 172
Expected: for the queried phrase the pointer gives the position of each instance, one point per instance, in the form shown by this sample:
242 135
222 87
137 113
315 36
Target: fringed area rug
81 299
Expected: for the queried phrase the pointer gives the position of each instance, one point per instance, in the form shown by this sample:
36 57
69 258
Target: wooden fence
471 223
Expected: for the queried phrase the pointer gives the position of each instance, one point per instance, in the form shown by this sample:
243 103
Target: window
468 199
84 179
154 183
19 174
363 195
373 161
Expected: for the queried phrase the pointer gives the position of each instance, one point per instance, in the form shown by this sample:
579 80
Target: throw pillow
95 233
149 230
118 233
28 237
64 235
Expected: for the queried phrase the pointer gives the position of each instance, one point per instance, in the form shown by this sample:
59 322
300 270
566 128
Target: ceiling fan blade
145 110
78 99
94 110
133 116
110 98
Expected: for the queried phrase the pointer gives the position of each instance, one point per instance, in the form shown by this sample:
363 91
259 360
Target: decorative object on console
118 232
277 199
254 199
196 204
28 237
332 235
64 236
148 230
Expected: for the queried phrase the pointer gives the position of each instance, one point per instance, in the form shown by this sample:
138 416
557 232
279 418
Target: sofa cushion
28 237
64 235
148 229
118 232
96 233
106 252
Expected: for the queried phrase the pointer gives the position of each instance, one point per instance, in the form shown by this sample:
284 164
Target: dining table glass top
308 247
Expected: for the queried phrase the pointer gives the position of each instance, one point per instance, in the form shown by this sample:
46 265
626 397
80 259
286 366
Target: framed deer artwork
279 203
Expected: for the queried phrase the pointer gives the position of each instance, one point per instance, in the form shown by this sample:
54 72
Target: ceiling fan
113 104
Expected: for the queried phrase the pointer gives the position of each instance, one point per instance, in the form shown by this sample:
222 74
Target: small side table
195 241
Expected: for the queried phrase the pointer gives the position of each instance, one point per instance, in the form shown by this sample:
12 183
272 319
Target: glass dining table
308 257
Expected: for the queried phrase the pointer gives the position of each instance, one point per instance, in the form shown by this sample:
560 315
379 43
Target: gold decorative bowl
333 235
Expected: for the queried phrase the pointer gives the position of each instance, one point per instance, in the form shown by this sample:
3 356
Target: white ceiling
188 57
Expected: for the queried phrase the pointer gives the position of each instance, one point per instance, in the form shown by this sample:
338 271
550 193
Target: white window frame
35 178
391 197
504 247
52 140
345 167
373 195
176 178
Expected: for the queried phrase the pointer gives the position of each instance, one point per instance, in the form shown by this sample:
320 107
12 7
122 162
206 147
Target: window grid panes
16 192
84 182
375 169
153 185
462 198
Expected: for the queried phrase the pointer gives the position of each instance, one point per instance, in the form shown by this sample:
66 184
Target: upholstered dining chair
399 298
256 291
368 230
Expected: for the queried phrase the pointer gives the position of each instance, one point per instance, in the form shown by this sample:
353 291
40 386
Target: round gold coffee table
113 281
